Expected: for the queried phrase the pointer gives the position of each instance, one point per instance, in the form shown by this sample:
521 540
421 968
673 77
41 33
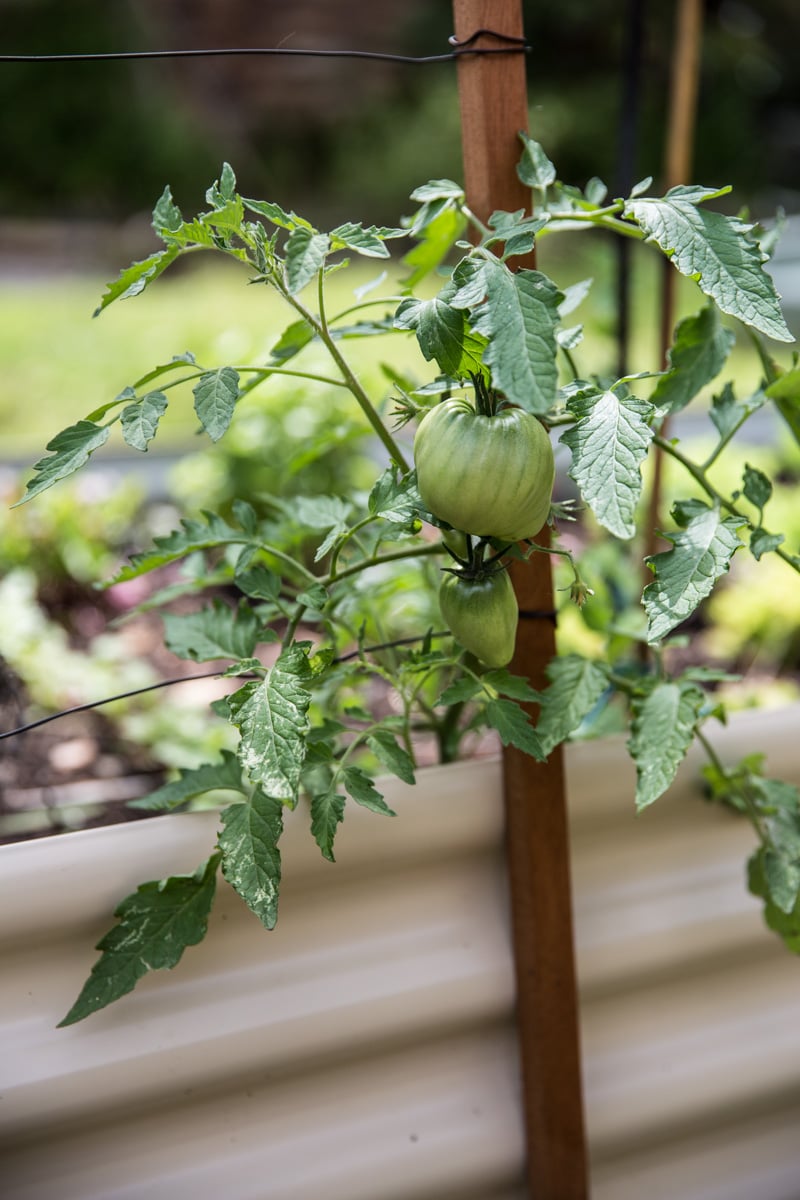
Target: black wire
461 48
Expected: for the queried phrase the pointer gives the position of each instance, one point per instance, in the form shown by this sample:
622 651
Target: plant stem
741 790
698 474
416 552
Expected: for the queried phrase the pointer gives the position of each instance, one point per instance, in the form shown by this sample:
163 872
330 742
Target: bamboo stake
493 100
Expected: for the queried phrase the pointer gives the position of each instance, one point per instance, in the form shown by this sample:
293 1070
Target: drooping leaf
293 339
135 278
156 924
701 552
785 924
698 353
305 256
362 789
756 487
251 860
534 167
762 542
215 631
661 732
576 685
517 313
271 715
387 750
718 252
215 396
139 421
70 449
505 684
609 442
514 727
225 776
327 812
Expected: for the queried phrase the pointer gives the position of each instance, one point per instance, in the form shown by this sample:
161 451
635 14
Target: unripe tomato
491 476
481 614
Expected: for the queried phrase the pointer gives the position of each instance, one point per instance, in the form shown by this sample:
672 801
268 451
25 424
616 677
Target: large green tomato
489 476
481 615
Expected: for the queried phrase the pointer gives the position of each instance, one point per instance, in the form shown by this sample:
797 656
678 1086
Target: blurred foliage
102 138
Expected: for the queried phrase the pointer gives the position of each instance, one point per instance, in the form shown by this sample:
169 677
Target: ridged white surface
365 1049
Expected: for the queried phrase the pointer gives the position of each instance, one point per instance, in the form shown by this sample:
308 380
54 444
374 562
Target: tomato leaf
361 787
216 631
609 442
514 727
327 812
271 715
139 421
534 167
517 313
70 450
370 242
251 860
442 333
156 924
661 732
193 536
135 278
727 413
225 776
576 685
397 760
785 391
215 397
697 355
436 238
305 256
717 251
701 552
784 922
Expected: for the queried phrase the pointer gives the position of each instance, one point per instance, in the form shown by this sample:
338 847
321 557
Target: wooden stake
493 99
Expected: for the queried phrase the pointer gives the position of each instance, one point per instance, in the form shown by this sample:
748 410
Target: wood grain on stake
493 100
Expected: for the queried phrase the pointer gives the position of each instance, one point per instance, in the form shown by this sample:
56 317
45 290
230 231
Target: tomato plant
314 602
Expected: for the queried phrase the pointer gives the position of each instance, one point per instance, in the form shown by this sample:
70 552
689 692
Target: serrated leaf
395 499
718 252
277 215
460 691
517 313
576 685
225 776
686 574
258 582
397 760
661 732
362 789
156 924
534 167
785 924
756 487
305 256
70 450
609 442
442 333
785 391
514 686
370 242
514 727
574 295
251 860
697 355
194 535
135 278
728 413
215 396
217 631
271 715
782 877
139 421
438 189
166 214
762 542
327 812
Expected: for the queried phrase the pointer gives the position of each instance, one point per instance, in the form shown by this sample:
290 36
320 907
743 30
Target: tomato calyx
475 564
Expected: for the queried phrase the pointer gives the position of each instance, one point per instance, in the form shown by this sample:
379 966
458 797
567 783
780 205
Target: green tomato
489 476
481 614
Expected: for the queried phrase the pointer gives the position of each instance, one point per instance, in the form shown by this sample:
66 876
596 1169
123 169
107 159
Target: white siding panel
365 1049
